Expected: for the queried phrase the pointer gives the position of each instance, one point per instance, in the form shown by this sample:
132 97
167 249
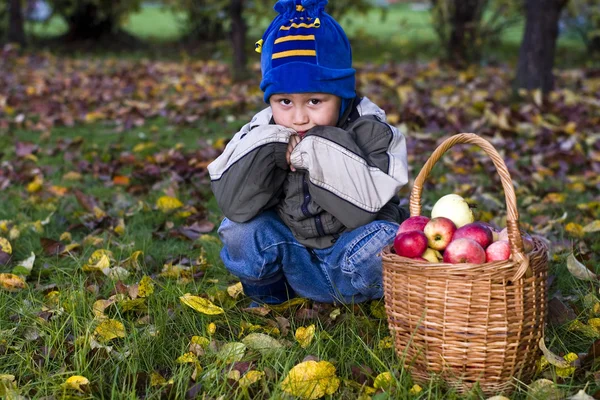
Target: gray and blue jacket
346 176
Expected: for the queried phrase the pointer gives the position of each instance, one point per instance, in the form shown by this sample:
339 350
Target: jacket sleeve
353 173
248 176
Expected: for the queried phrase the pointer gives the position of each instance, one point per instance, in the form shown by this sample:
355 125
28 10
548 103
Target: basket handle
512 215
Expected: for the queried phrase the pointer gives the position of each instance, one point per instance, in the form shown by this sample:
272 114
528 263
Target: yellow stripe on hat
302 25
291 53
299 8
294 37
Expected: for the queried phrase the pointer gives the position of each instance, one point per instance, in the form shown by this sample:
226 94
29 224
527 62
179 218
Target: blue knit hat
305 50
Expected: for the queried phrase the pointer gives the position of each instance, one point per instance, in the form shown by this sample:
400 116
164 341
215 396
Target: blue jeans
273 266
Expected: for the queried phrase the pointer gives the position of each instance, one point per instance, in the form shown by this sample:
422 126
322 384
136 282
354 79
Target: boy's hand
294 140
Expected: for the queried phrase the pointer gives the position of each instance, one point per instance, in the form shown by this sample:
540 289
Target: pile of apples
453 236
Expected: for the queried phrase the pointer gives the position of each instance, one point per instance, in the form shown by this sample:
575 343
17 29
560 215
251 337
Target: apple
464 250
439 232
527 239
498 251
416 223
454 207
432 255
410 244
476 231
420 259
491 227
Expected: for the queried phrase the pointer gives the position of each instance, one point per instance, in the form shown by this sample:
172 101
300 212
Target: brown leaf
52 247
559 313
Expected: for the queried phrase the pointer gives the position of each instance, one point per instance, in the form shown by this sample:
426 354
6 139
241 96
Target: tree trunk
16 30
87 23
238 39
536 56
465 20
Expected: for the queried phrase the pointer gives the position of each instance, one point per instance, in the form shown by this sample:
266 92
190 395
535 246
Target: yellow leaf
110 329
592 227
167 204
386 343
7 384
235 290
99 260
250 378
120 228
146 287
555 198
5 246
212 328
66 237
587 330
156 379
132 304
35 185
305 335
187 358
568 371
133 260
383 381
311 380
99 306
11 282
575 230
201 304
72 176
76 382
415 390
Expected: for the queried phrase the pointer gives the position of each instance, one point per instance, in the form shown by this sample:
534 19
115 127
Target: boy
309 186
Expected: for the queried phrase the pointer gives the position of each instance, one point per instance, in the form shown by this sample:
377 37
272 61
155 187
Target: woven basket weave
469 324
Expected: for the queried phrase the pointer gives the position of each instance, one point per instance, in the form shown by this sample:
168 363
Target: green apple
455 208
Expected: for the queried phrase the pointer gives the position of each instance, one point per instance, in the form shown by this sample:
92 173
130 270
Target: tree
238 39
536 55
16 31
94 19
466 27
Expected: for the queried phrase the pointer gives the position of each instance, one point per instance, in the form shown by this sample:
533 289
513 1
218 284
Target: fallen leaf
551 357
383 381
235 290
11 282
581 395
76 382
167 204
311 380
98 261
5 246
146 287
231 352
592 227
110 329
305 335
201 304
261 342
250 378
578 270
415 390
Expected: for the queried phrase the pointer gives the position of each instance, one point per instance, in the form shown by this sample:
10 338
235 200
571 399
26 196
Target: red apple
492 228
527 239
464 250
498 251
416 223
410 244
479 233
439 232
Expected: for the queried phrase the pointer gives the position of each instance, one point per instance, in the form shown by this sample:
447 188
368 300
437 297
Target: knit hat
305 50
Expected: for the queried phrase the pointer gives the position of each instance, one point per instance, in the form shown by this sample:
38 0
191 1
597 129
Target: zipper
318 223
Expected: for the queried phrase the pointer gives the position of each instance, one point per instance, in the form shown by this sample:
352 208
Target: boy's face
302 111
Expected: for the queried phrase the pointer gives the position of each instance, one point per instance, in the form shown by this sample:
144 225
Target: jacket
346 176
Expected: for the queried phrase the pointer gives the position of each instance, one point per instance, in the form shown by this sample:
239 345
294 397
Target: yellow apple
455 208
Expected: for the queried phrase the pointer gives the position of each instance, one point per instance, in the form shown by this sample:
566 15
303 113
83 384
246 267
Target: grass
400 33
47 330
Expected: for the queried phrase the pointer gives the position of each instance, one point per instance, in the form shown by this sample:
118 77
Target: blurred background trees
466 30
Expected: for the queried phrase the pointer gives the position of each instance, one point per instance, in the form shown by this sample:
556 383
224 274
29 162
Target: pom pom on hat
304 50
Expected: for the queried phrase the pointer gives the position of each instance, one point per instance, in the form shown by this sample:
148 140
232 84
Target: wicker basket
469 324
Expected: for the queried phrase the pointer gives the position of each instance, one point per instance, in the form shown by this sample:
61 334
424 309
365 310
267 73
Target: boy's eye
314 102
285 102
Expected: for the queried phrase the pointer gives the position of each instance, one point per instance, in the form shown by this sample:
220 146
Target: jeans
273 266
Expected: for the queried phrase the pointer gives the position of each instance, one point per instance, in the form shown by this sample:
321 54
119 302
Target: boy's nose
300 117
